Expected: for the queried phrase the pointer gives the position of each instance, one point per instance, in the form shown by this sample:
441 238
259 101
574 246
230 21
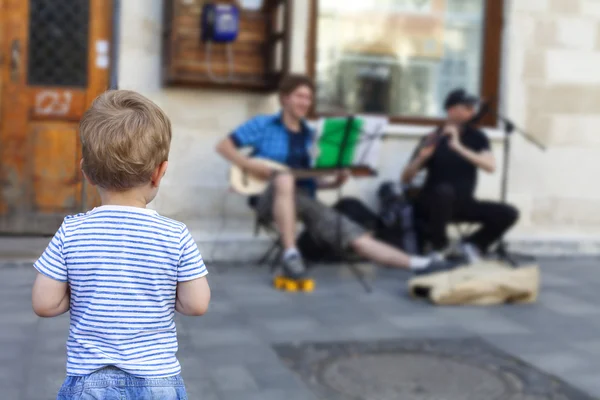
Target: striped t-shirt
122 265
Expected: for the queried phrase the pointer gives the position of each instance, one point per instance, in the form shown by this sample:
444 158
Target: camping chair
275 250
462 229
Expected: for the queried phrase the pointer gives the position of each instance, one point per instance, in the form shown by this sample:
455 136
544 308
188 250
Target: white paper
101 46
251 5
102 61
367 151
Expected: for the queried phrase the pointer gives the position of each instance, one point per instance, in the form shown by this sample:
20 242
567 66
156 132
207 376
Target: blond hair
124 137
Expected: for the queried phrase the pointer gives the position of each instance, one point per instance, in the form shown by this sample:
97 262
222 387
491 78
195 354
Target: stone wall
194 186
552 88
551 82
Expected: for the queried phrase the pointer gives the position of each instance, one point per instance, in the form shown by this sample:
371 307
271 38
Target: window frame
491 62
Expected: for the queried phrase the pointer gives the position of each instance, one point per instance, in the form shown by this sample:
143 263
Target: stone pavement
227 354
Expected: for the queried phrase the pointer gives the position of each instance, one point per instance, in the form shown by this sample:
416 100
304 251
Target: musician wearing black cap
451 156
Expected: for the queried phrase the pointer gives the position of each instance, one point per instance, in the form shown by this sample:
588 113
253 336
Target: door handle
15 60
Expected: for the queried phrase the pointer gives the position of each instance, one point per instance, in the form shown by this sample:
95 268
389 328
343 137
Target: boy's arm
50 297
193 297
193 292
50 294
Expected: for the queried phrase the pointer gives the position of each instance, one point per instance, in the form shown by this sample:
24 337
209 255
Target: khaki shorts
323 223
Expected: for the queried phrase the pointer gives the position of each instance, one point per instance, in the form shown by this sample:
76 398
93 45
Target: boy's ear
84 175
159 173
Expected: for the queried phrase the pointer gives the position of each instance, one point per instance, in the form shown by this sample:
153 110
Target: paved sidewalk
227 354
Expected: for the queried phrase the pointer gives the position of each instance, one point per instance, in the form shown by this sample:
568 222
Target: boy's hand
50 297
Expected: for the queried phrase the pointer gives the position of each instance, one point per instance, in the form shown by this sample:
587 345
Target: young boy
121 269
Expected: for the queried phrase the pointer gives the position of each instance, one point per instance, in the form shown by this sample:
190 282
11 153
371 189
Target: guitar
247 184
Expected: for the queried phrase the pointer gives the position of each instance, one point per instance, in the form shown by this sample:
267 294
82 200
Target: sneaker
438 256
471 253
436 266
293 267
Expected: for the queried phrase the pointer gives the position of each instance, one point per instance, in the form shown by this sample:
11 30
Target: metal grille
58 42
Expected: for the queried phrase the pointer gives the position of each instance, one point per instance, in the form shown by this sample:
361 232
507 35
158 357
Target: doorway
54 60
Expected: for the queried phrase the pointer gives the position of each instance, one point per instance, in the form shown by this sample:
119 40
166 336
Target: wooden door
54 60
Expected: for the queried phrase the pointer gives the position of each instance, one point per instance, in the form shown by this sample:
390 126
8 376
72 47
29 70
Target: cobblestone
558 335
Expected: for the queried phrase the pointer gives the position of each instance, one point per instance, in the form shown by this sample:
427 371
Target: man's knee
504 216
511 215
360 243
284 184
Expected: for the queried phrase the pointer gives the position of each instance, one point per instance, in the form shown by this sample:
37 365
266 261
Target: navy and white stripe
122 265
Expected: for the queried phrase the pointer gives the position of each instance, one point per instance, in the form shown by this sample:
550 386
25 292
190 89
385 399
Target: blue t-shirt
269 138
122 265
299 158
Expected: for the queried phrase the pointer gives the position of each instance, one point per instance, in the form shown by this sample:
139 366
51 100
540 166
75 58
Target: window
402 57
58 43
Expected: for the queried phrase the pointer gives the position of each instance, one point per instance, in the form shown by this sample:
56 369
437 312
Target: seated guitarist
286 138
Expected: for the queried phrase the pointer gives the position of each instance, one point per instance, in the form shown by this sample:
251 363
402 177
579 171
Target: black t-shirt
447 166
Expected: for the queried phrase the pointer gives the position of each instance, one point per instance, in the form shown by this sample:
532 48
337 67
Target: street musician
286 138
452 156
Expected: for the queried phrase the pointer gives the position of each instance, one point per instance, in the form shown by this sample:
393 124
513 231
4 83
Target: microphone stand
509 127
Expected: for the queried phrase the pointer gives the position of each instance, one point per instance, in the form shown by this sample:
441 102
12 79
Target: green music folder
332 139
343 144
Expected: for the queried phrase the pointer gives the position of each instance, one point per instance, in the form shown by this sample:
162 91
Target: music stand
509 128
351 135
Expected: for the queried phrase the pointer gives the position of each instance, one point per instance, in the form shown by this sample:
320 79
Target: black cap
460 96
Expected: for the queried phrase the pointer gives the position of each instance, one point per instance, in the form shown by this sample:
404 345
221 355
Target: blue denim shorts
111 383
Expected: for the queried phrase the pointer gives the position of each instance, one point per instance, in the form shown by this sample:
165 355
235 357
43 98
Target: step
22 247
230 240
234 240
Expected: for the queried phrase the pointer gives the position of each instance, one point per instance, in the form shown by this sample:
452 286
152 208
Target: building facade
538 57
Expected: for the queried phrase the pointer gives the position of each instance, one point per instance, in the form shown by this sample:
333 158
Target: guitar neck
318 172
307 173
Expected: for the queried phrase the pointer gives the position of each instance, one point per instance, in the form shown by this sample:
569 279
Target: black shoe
437 266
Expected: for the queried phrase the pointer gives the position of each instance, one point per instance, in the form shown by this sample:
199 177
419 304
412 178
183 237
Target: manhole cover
414 377
420 369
